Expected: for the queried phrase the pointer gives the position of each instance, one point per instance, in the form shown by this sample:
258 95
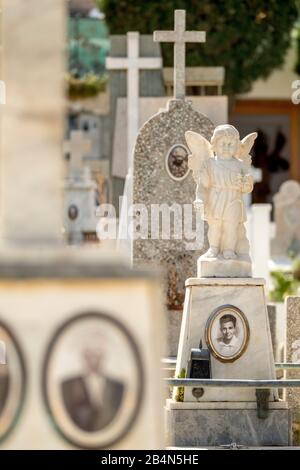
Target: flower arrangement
87 86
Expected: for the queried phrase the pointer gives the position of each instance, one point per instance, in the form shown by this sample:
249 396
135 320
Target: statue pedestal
225 334
218 267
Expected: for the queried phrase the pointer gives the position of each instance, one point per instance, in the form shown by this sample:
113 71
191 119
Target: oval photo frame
227 333
173 162
13 382
70 396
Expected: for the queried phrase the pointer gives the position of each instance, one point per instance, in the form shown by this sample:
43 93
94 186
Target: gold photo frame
227 333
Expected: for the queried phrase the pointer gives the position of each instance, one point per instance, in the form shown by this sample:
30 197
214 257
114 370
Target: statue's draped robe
222 196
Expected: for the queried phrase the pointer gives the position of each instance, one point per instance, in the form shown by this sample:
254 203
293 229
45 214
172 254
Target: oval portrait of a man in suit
12 381
93 380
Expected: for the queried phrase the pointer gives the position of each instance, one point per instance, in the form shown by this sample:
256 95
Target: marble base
217 424
204 296
220 267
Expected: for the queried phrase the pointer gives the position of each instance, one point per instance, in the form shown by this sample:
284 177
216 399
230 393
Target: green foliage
249 38
297 38
88 86
178 393
284 284
295 419
87 46
296 269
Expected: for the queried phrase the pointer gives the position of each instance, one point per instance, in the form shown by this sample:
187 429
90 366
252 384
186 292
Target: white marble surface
257 360
133 302
197 281
195 428
222 173
218 267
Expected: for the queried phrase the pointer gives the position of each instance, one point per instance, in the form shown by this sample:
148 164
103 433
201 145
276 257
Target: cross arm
116 63
145 63
194 36
164 36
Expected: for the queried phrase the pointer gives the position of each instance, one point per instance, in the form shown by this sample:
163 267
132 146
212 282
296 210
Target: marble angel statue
221 169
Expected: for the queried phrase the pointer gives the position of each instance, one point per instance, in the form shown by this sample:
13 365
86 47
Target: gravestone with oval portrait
162 178
86 326
87 330
228 318
177 162
225 334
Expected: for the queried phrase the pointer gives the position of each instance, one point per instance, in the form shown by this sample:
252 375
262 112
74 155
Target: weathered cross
180 37
132 63
77 147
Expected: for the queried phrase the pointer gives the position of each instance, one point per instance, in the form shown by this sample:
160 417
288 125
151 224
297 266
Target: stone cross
77 147
179 37
132 63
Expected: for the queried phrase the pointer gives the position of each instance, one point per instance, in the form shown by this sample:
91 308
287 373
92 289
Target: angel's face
226 147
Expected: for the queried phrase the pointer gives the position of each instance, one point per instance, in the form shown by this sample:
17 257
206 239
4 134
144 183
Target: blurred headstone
78 321
287 220
293 355
77 147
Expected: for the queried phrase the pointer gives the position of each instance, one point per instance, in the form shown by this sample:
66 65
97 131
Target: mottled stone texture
195 428
273 322
173 322
293 348
153 185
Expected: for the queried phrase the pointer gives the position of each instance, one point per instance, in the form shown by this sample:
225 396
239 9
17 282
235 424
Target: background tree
248 37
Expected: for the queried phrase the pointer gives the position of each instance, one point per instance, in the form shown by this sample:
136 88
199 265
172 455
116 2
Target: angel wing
246 146
201 151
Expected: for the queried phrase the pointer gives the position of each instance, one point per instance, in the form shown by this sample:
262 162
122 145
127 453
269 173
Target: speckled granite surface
153 185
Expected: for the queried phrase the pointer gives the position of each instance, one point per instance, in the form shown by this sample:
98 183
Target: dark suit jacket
83 412
4 385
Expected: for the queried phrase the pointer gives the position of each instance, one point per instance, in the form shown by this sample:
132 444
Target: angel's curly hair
224 130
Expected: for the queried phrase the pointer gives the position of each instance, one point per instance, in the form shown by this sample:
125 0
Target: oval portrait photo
227 333
93 380
177 162
12 381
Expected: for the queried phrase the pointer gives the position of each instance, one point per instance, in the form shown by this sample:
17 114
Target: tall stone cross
179 37
132 63
77 147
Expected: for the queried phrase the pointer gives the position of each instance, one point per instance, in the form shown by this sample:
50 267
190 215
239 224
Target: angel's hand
239 181
247 183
